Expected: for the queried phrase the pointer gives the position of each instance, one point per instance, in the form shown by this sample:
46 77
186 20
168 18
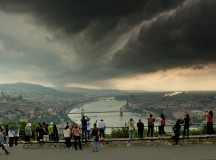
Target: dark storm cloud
73 16
176 33
186 38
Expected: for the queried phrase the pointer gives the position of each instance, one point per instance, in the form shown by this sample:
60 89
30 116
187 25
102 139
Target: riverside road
161 152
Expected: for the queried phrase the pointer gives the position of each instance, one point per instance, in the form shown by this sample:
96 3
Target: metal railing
195 129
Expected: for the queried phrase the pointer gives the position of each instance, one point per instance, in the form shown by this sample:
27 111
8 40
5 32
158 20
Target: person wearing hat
28 132
50 130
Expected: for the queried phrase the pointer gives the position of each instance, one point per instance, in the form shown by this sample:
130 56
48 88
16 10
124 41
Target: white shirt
67 133
11 133
88 125
101 124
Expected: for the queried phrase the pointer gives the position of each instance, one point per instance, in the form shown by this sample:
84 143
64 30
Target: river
108 110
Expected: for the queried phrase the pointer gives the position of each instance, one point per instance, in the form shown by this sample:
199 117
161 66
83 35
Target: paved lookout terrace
194 148
158 152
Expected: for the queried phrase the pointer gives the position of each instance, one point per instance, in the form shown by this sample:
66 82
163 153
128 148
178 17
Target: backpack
150 121
190 122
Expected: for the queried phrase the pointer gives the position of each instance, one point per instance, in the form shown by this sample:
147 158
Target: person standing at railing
11 135
162 120
210 129
76 135
176 130
88 128
131 128
55 134
95 138
151 120
28 132
84 121
102 127
50 131
67 136
140 127
186 126
16 136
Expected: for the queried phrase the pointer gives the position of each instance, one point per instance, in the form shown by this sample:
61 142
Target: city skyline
125 45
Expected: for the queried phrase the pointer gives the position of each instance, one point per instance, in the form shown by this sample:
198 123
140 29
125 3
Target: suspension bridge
121 110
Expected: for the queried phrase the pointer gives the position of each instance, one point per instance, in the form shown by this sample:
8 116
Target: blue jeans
186 131
131 133
101 130
95 145
84 134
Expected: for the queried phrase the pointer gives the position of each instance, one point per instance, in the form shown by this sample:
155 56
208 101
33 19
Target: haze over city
123 44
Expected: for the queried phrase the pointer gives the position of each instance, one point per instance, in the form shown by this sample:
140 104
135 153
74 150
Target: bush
119 132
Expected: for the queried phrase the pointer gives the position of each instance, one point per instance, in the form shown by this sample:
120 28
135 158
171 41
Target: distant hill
28 90
34 91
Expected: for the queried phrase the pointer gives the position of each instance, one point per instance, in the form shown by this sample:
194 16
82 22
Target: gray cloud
183 39
172 34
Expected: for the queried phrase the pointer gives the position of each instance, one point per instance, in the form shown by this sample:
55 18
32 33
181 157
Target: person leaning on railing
210 129
151 120
186 126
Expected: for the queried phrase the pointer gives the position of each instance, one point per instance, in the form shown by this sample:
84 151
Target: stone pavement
161 152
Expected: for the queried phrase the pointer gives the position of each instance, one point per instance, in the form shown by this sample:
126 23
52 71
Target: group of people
44 132
86 128
184 121
49 132
97 133
11 134
140 126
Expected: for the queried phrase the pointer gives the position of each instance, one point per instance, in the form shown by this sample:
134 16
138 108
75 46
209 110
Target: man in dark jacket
140 127
176 130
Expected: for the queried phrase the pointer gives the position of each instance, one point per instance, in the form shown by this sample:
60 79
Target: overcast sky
116 44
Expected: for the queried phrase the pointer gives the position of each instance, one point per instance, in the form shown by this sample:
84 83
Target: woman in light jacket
11 135
67 134
76 135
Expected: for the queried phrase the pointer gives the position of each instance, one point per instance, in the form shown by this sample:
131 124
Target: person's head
131 119
94 125
211 113
178 122
139 120
162 116
28 124
187 116
150 115
75 125
101 119
66 127
83 117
